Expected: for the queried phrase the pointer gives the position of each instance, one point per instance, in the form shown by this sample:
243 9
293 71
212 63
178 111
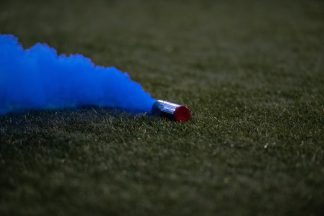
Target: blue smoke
39 78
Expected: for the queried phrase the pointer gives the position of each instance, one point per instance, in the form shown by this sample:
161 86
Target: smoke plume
39 78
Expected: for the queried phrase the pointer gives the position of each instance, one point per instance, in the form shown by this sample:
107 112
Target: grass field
252 72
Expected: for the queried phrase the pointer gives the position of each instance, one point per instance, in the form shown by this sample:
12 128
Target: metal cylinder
172 111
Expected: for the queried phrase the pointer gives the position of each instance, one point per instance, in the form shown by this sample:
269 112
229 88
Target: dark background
251 71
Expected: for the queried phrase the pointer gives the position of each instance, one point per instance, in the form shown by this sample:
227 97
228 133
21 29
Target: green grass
251 71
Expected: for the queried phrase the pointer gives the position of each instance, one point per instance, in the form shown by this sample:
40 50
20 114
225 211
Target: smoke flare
39 78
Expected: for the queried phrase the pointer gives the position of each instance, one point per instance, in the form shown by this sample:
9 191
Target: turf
251 71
